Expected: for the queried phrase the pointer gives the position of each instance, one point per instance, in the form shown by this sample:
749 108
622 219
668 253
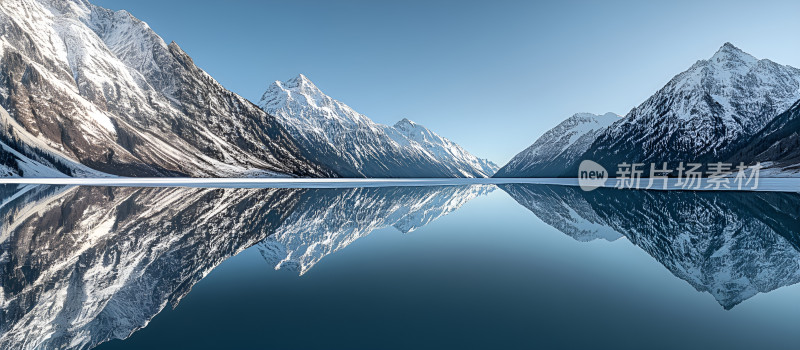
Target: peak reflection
732 245
84 265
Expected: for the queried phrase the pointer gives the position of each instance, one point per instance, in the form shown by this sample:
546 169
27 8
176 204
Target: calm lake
477 266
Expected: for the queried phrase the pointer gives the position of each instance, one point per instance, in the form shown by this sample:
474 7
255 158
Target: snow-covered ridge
559 145
112 96
303 104
775 146
703 112
736 81
353 145
698 116
439 147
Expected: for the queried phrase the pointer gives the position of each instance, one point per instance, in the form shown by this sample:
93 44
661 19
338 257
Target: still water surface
514 266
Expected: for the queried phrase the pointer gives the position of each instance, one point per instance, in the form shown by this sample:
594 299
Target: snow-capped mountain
561 145
776 146
700 115
732 245
442 149
91 91
702 112
351 144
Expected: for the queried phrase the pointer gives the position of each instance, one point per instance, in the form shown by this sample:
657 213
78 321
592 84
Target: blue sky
491 76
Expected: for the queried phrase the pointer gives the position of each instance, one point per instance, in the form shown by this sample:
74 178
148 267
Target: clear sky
490 75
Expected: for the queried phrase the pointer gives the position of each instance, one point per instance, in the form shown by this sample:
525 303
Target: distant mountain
443 149
564 144
700 115
351 144
91 92
776 146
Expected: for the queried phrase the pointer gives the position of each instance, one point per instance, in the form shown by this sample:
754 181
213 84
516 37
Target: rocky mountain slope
701 115
351 144
776 146
91 91
563 144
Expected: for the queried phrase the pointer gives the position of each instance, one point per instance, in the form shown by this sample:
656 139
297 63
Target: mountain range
352 145
705 114
558 146
90 92
777 145
93 92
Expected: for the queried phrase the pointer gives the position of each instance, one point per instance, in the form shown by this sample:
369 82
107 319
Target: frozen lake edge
765 184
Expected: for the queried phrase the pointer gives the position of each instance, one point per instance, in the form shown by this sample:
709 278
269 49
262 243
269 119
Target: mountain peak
298 85
728 52
596 117
299 81
405 121
355 146
584 115
612 114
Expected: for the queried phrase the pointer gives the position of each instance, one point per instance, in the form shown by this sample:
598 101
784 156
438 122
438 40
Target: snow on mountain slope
441 148
701 113
354 146
19 157
99 88
561 144
699 116
14 164
776 146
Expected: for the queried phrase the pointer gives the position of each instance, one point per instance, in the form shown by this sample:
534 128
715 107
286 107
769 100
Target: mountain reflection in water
83 265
